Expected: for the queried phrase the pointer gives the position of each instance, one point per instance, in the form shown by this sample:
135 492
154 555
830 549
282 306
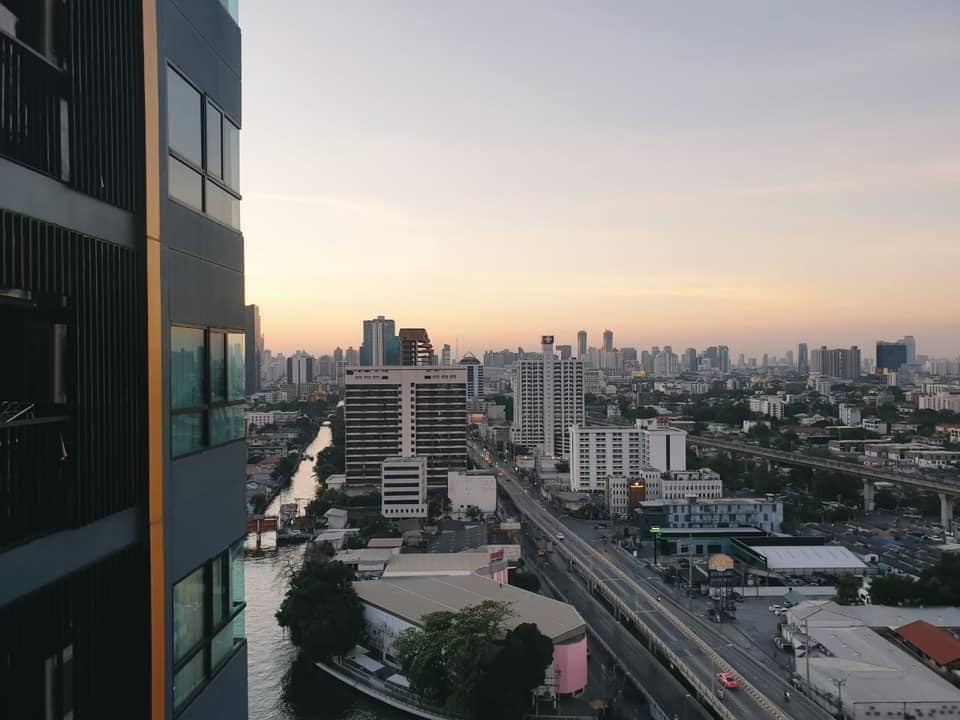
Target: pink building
393 604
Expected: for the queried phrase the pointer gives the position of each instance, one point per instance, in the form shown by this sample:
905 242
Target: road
699 649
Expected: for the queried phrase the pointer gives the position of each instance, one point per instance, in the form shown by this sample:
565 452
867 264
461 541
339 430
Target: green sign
655 530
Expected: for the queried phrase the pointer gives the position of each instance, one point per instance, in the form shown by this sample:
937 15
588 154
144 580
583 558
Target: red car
727 680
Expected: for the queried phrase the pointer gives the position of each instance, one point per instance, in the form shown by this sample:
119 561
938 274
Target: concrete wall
570 666
465 490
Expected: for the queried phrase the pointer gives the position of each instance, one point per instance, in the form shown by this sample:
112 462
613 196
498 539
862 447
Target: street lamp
840 682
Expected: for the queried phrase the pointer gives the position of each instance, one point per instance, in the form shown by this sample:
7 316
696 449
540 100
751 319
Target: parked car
561 536
776 609
727 680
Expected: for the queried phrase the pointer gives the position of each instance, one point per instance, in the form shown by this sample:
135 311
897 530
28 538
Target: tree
321 609
473 513
893 590
259 502
459 661
848 587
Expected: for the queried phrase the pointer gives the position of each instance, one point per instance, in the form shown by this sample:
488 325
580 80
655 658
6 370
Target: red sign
496 556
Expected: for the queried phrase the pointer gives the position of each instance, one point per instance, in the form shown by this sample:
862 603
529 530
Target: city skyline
606 174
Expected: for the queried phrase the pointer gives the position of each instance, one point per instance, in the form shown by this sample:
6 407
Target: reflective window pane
233 7
185 184
184 123
236 376
226 424
231 155
187 614
222 206
186 367
227 639
237 589
214 150
187 680
186 433
218 367
218 587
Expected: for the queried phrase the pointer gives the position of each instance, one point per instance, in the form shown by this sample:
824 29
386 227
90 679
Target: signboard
546 339
497 561
655 530
722 578
720 562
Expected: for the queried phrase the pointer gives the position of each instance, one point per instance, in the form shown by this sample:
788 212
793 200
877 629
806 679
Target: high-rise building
122 376
474 376
566 351
789 358
403 487
841 363
911 342
547 400
690 360
723 358
608 340
380 345
301 368
351 357
405 412
890 356
253 352
803 359
765 360
415 347
445 358
582 345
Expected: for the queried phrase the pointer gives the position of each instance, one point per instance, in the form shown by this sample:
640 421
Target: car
776 609
727 680
561 536
602 526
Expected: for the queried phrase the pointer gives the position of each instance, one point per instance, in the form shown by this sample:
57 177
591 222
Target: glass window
187 679
214 149
186 433
226 424
233 7
186 367
185 184
227 639
235 368
184 124
231 155
218 369
222 206
187 614
237 589
218 589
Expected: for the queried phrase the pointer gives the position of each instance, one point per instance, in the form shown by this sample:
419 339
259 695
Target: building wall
570 666
466 488
403 487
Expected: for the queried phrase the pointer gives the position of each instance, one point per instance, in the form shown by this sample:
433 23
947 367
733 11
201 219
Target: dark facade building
803 358
122 506
416 348
891 356
253 349
380 345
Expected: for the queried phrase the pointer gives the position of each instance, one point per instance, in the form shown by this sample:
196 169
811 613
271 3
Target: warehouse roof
822 557
413 597
427 564
938 645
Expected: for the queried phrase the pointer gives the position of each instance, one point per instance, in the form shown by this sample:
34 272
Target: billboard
546 339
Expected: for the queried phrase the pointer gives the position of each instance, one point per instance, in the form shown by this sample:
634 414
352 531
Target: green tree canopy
847 589
321 609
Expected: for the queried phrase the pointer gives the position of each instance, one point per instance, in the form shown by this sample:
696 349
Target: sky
752 174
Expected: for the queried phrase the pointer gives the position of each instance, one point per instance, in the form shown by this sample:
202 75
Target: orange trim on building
158 604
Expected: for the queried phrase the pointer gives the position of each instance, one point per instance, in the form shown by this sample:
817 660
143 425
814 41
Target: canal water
279 688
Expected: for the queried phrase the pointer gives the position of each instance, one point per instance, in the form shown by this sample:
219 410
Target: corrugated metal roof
412 598
797 557
933 642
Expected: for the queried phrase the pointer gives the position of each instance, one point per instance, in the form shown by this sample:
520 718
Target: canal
279 688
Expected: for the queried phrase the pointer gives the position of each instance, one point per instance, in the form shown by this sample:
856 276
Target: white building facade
704 484
723 513
403 487
471 488
547 400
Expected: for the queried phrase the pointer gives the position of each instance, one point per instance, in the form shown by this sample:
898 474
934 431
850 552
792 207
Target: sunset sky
689 173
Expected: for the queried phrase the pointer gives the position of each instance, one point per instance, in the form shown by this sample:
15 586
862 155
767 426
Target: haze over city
688 174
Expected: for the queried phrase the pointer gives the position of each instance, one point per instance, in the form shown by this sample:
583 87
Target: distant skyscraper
547 400
723 357
841 363
415 347
690 360
608 340
253 354
891 355
445 354
380 346
474 376
741 360
351 357
566 351
803 359
765 361
301 368
911 343
790 358
582 345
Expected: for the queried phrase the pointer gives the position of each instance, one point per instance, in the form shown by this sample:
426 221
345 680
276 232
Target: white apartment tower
474 376
547 400
403 487
396 411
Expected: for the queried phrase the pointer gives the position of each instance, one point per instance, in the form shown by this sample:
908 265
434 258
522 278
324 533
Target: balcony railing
36 479
32 109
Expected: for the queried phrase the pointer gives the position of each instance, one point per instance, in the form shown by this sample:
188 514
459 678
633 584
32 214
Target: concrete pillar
868 491
946 511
